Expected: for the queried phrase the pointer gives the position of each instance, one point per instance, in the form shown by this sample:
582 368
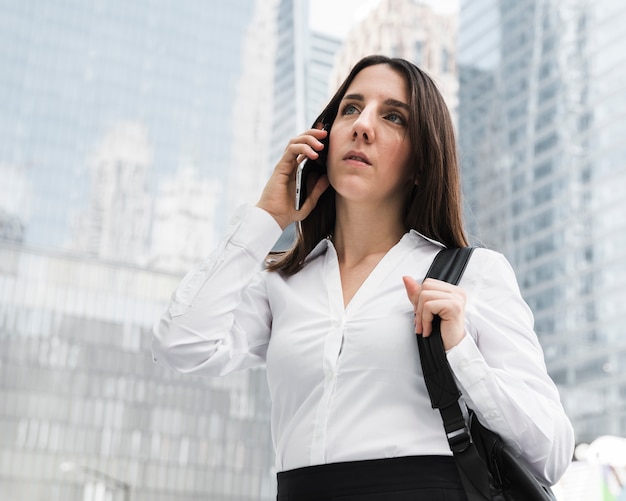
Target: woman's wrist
282 220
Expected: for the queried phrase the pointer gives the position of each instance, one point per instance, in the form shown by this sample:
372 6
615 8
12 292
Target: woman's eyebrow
398 104
353 97
388 102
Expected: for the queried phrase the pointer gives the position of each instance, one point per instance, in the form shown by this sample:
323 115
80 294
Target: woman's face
370 150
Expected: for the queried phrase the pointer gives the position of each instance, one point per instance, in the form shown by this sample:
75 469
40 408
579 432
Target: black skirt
414 478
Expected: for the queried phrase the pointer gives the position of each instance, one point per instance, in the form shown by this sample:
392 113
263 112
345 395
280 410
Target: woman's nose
363 128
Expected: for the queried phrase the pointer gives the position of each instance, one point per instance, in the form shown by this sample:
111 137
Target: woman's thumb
412 288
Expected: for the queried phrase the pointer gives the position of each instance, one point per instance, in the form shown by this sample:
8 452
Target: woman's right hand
279 193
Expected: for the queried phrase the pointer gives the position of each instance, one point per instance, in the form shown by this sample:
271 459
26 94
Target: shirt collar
321 248
414 237
418 235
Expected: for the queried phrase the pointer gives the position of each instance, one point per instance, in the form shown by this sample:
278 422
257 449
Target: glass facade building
85 412
542 116
119 122
322 50
71 73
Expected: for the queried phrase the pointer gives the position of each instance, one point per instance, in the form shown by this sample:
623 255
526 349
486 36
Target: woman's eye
395 118
350 109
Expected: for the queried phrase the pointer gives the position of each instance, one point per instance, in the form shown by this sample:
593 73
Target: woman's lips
357 156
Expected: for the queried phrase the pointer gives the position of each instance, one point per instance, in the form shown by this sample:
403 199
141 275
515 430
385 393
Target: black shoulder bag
488 468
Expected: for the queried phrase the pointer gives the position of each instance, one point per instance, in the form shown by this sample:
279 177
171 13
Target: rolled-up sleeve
219 318
501 372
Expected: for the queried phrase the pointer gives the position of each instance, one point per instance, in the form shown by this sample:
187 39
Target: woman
333 318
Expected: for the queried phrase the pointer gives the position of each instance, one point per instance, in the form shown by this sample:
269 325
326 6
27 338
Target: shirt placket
330 358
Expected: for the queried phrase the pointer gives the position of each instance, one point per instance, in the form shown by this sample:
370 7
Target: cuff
467 362
255 230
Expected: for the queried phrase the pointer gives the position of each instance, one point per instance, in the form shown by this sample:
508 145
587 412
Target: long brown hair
434 207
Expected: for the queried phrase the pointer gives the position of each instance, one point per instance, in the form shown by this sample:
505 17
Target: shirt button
464 364
491 415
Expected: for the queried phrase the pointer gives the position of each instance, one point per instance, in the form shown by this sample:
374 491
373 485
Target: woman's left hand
435 297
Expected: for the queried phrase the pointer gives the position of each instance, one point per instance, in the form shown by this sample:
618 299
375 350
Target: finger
303 147
318 131
412 288
449 308
296 153
426 322
431 304
413 291
312 137
438 285
432 307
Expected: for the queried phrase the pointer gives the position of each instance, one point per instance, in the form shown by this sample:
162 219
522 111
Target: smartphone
308 166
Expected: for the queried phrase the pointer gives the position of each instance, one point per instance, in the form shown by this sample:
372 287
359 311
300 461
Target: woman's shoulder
486 267
484 258
490 269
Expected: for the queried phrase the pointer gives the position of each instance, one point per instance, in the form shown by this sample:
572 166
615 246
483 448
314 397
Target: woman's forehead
380 79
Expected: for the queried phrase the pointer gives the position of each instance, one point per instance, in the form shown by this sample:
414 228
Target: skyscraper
184 219
320 58
71 73
116 224
541 110
272 92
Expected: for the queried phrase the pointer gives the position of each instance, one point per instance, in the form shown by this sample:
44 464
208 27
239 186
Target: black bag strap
449 265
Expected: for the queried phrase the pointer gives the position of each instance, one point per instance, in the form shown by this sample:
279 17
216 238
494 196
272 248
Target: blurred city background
129 132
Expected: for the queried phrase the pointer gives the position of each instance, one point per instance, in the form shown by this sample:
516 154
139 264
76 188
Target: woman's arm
219 319
501 371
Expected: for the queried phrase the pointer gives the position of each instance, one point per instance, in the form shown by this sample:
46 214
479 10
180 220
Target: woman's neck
363 231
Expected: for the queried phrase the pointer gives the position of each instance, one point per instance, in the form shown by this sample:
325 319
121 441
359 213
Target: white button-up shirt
346 382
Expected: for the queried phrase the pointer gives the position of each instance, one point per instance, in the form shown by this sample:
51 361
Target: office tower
289 91
252 109
112 111
70 74
320 51
320 59
116 223
272 92
544 166
409 29
184 218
